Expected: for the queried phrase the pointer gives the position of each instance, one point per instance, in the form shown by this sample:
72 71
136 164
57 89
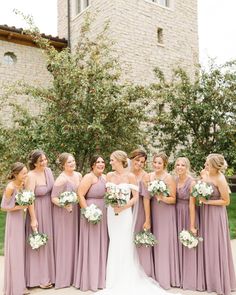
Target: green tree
86 110
195 117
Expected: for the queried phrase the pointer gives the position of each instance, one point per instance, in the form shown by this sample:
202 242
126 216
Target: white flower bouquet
92 213
115 195
36 240
158 187
188 239
67 198
201 190
25 198
145 238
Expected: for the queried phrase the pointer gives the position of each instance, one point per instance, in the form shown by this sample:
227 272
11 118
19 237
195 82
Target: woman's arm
83 188
171 184
30 185
224 194
8 194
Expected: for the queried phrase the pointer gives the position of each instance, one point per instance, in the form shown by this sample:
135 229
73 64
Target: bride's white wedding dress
124 274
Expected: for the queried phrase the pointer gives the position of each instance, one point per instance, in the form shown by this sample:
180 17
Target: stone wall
30 66
134 25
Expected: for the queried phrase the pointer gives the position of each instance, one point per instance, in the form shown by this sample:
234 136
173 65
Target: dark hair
33 158
15 170
138 154
93 160
61 160
163 156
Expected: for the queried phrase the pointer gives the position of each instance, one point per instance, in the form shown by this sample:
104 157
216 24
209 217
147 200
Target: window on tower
162 2
160 36
81 5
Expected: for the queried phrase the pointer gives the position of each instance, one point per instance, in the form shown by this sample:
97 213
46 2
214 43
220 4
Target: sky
216 24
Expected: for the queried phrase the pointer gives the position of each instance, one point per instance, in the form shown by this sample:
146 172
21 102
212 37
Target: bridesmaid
90 271
166 261
14 266
191 263
65 222
138 160
214 228
40 265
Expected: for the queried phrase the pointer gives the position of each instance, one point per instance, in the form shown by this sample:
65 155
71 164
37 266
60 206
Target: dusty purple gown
166 259
90 270
214 228
40 264
191 260
14 249
65 238
145 253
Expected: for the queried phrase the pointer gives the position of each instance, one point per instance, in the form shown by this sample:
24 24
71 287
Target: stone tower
148 33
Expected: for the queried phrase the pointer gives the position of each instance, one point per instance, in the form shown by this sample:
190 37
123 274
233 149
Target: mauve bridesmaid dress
14 249
166 259
90 273
214 228
191 260
65 225
40 264
145 253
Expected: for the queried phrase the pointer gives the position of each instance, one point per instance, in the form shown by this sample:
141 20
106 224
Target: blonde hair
218 162
61 160
121 157
163 156
186 162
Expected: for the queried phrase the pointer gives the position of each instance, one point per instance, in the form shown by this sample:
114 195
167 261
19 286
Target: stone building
148 33
22 60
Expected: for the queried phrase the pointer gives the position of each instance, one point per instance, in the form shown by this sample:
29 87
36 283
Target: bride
124 274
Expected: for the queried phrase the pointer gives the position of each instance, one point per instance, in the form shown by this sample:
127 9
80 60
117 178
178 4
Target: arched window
9 58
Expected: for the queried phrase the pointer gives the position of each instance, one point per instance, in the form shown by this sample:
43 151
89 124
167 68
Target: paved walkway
73 291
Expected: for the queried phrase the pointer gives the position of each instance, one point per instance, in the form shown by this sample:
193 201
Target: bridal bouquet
116 196
92 213
67 198
201 189
145 238
25 198
36 240
188 239
157 187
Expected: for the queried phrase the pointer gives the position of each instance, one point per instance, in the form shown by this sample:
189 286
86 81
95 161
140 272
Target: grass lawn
2 230
231 214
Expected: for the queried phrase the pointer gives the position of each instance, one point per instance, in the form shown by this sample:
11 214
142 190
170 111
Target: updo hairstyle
218 162
121 157
138 153
33 158
15 170
163 156
61 160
